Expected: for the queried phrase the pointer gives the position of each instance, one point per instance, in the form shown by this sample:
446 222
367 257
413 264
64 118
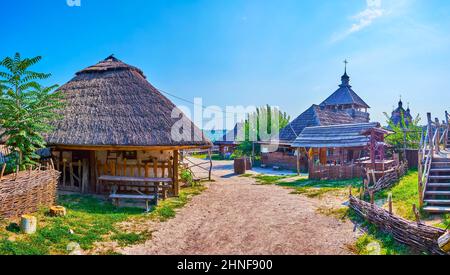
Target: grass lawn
317 188
404 195
89 220
205 156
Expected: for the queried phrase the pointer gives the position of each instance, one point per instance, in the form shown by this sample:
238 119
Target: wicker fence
418 236
390 178
335 172
26 191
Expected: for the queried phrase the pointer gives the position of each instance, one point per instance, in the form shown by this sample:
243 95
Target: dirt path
237 216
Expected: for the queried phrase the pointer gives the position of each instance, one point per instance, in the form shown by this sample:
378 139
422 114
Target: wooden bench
134 182
146 198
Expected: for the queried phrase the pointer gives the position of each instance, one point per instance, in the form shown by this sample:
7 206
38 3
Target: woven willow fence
26 191
390 178
418 236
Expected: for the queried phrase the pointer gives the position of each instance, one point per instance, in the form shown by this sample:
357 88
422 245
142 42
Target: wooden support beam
176 184
85 176
298 161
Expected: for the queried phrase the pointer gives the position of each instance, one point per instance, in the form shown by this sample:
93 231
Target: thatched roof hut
116 124
112 104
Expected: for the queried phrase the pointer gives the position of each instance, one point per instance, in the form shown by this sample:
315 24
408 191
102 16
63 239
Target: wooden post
3 171
438 135
390 203
298 161
93 173
85 176
176 185
430 131
446 132
372 199
416 213
211 164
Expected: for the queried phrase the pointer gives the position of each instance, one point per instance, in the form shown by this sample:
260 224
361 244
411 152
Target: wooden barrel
239 166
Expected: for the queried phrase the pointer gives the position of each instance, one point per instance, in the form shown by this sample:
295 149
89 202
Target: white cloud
363 19
367 16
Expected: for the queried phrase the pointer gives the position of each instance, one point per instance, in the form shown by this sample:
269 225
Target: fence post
416 214
430 132
390 203
438 135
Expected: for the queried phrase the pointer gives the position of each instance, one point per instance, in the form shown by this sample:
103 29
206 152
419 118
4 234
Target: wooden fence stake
390 203
416 213
372 200
3 171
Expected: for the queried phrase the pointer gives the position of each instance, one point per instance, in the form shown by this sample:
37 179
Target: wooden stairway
437 193
434 166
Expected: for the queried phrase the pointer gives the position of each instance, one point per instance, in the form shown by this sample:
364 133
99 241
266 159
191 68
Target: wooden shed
116 123
340 151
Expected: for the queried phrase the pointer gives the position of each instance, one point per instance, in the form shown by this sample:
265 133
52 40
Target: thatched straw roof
112 103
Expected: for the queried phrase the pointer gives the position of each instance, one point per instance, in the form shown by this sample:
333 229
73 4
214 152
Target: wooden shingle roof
345 96
336 136
315 116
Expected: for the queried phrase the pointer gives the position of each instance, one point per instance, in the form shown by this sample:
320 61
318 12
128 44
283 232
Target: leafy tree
26 108
262 116
406 135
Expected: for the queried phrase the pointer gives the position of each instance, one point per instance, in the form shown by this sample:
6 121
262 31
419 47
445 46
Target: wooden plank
128 148
85 176
133 179
72 182
126 196
155 167
176 184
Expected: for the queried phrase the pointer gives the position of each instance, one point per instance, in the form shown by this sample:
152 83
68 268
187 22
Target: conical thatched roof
112 103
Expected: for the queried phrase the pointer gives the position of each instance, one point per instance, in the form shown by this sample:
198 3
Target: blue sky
286 53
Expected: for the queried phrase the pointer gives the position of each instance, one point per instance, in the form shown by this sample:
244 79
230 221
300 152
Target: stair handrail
426 153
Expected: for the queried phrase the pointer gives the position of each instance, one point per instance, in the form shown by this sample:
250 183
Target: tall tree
263 119
406 134
26 108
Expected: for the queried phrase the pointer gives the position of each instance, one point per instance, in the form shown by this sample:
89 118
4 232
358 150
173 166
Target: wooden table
117 181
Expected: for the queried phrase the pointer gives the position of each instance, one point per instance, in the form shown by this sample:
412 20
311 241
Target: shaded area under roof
112 104
336 136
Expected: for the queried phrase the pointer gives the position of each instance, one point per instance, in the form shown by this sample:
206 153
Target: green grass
317 188
374 241
266 179
88 220
404 195
205 156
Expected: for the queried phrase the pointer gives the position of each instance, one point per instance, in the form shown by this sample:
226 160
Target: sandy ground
237 216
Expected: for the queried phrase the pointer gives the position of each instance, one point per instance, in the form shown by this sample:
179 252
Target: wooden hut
340 151
115 123
343 106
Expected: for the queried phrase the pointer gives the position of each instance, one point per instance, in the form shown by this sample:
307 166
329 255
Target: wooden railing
435 136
